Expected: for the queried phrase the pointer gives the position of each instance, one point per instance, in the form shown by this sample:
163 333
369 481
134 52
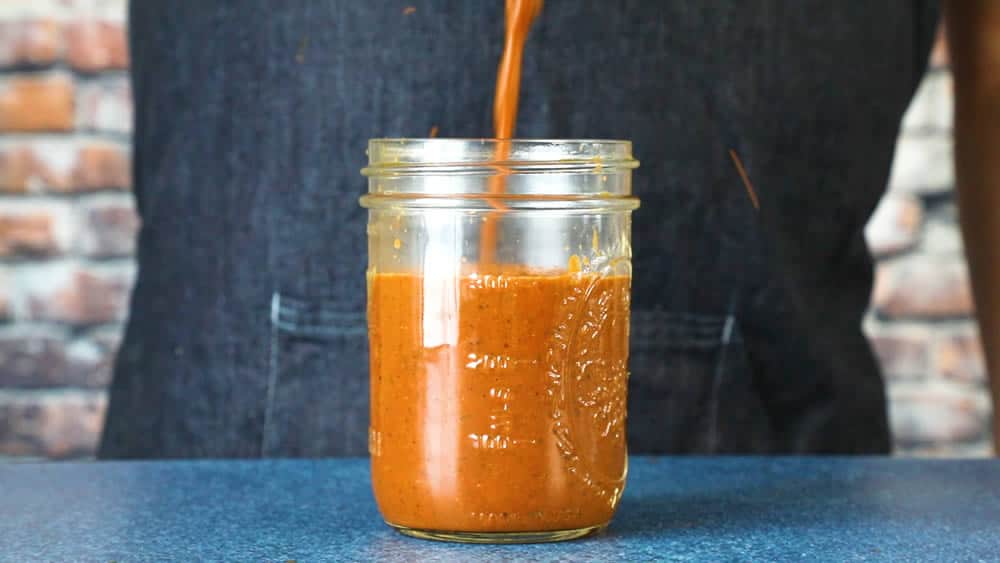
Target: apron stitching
272 376
726 337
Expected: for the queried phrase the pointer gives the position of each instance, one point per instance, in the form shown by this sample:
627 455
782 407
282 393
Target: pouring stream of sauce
493 410
518 17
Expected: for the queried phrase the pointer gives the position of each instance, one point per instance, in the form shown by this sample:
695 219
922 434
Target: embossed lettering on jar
498 375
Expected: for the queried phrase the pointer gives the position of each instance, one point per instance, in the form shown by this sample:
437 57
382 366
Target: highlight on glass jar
499 283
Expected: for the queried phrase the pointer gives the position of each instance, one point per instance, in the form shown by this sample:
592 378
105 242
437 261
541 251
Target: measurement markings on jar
488 281
499 434
563 513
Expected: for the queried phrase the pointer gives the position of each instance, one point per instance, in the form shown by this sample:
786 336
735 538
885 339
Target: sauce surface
498 399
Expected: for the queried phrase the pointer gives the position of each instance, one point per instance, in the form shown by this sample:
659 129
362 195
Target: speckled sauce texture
498 399
832 509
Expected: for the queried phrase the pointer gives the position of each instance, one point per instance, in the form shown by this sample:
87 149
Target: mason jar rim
415 156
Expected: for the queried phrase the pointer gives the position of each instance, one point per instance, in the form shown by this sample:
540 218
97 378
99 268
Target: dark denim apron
247 331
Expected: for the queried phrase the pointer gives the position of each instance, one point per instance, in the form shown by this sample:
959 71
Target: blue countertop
674 508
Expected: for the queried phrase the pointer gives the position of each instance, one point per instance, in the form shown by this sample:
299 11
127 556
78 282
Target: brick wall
67 223
67 227
921 322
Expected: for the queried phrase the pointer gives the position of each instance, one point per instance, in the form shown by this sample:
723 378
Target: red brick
939 54
102 166
37 103
895 225
30 43
105 105
108 228
6 308
959 356
903 354
22 169
937 413
31 357
77 295
96 45
64 166
39 357
51 424
926 287
27 234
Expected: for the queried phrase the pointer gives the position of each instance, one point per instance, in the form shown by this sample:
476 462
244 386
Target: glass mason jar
498 313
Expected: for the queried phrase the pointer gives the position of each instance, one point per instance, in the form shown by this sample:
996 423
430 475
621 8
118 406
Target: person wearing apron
247 336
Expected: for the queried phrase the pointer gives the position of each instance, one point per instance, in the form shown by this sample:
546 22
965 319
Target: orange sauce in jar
498 393
498 399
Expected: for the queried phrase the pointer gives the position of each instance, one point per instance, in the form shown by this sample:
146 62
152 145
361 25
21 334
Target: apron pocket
690 388
317 396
